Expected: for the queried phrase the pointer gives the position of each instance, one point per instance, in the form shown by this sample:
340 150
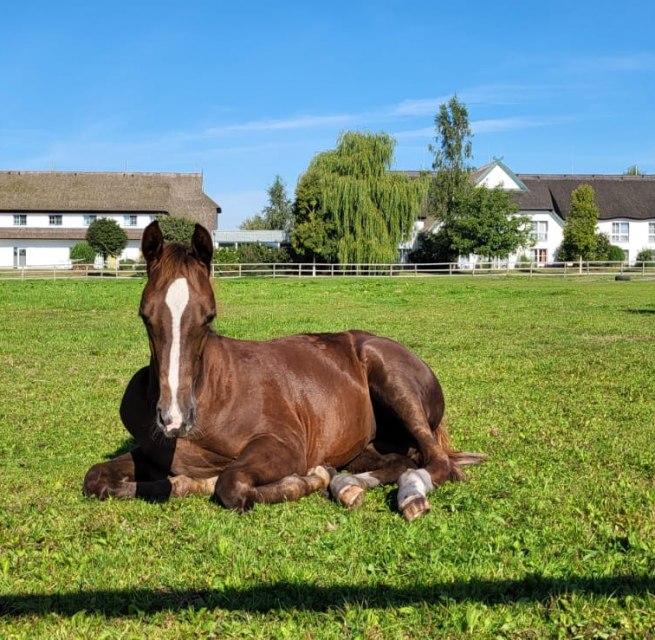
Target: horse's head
177 307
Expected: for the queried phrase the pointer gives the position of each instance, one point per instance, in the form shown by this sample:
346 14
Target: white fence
301 270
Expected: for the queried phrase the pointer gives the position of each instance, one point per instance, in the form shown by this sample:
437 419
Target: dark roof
176 194
616 196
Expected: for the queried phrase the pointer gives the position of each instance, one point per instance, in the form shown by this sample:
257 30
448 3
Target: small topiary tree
646 257
106 237
83 253
176 228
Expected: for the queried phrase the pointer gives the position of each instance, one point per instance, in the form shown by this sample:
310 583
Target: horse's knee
233 492
96 482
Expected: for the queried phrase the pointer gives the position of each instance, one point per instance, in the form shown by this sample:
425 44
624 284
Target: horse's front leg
135 475
268 470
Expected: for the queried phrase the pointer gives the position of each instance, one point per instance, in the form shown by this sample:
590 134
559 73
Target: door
20 257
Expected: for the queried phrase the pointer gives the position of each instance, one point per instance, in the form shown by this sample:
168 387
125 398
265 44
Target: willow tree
362 209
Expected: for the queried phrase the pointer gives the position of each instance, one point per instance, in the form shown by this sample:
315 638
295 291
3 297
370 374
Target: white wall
638 236
56 252
72 220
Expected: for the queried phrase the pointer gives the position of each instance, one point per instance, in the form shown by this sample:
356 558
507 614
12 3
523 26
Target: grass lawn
554 537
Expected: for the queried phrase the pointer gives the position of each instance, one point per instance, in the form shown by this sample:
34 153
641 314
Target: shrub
226 255
615 254
83 253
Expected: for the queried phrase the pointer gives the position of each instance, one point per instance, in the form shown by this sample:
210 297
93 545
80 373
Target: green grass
553 537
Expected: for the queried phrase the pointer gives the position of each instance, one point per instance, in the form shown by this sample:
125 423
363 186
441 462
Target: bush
83 253
615 254
433 248
225 255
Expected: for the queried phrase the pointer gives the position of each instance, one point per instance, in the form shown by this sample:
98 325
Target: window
89 218
539 231
55 220
620 231
129 220
540 256
651 232
20 220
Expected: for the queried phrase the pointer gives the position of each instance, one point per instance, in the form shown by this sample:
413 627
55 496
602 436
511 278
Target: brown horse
269 421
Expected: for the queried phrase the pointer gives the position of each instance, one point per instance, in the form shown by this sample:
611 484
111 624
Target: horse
269 421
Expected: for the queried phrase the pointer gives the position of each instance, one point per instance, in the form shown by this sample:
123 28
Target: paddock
555 534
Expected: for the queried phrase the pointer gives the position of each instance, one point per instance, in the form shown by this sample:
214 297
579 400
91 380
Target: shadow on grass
307 597
641 312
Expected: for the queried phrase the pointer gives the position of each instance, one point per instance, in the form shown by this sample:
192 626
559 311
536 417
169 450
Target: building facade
44 214
626 206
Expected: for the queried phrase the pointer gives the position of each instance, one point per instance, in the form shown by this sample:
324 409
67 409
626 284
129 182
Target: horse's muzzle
177 426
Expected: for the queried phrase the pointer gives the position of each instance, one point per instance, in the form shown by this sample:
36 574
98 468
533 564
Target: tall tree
579 233
633 170
452 152
106 237
277 214
350 207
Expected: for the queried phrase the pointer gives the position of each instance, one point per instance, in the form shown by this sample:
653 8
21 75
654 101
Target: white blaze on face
177 298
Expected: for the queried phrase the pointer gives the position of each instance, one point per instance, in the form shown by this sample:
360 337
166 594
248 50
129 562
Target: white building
626 206
43 214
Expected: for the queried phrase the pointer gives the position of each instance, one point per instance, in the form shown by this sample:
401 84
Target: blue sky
245 91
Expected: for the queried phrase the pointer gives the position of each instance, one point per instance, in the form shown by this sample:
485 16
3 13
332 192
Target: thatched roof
175 194
616 196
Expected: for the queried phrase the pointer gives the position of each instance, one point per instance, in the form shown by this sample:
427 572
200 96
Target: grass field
553 537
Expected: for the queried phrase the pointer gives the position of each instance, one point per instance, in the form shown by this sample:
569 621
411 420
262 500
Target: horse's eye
210 318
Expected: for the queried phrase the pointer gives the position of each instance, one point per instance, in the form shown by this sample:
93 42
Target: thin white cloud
495 125
284 124
619 63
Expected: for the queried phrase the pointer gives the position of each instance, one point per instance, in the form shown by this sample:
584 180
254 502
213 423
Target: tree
579 233
176 228
633 170
106 237
484 222
278 214
452 153
473 219
350 207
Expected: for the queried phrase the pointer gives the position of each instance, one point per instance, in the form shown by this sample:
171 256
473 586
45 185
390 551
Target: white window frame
539 231
20 219
55 220
620 232
89 218
651 232
130 220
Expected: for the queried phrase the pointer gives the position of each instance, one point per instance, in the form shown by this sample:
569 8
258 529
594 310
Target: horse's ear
152 242
202 245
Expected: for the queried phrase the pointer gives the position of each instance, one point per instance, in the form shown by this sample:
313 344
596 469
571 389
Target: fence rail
301 270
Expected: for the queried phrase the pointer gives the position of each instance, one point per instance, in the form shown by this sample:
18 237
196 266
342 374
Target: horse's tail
457 459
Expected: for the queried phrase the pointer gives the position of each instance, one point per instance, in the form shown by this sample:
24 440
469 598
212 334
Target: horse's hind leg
367 470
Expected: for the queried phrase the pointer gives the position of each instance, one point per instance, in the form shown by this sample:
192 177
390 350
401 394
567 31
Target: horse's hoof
352 496
322 473
415 508
347 490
